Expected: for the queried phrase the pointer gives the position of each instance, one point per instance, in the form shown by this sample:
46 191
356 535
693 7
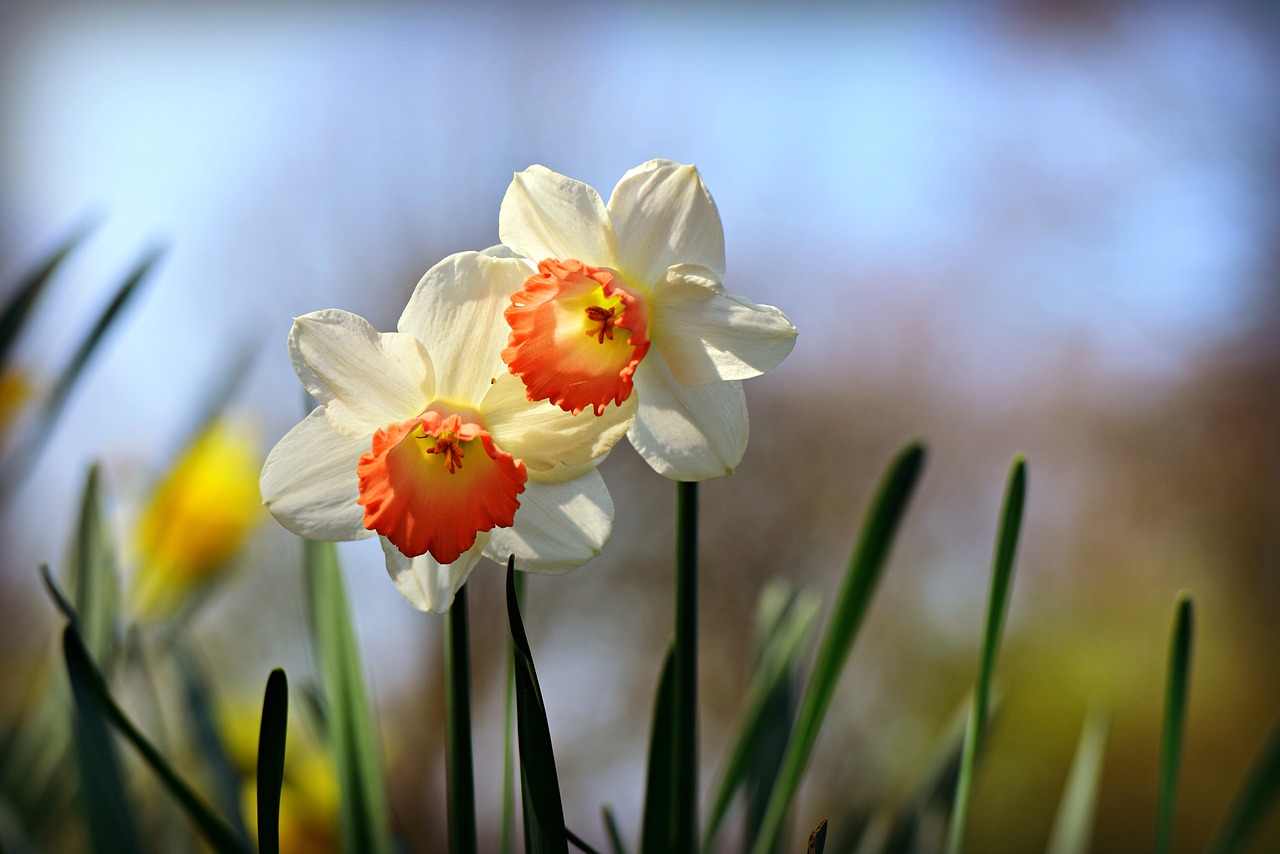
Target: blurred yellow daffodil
309 795
196 519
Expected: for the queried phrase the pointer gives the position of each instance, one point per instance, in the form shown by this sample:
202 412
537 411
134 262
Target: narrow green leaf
93 699
818 839
684 698
855 594
141 269
17 463
656 826
102 789
459 761
271 746
1256 796
19 308
611 828
1175 718
997 606
199 702
1073 825
786 627
540 787
94 581
929 804
578 842
348 716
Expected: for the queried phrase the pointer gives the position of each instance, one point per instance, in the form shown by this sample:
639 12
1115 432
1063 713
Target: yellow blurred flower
15 391
197 518
309 797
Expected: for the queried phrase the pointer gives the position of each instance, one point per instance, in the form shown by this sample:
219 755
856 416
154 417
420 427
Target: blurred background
1047 228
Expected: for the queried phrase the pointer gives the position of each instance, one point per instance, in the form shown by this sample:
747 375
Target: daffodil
423 438
627 297
198 517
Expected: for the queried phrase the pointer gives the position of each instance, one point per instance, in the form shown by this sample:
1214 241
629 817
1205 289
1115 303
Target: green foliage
1257 794
349 720
1175 718
784 629
95 703
544 829
459 762
271 750
1074 823
997 606
856 590
657 828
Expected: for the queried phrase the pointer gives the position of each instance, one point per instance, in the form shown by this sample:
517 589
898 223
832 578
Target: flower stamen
606 318
447 443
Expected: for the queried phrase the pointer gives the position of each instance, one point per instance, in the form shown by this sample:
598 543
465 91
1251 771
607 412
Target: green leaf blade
1256 796
856 590
540 786
1009 530
1073 826
1175 718
657 825
349 719
272 735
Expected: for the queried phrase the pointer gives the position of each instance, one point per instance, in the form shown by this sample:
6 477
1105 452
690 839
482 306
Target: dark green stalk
1175 718
459 765
684 792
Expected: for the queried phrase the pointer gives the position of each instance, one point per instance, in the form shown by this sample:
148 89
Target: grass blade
1254 799
611 828
1073 825
94 581
540 787
199 703
93 700
657 825
786 625
126 290
25 296
684 697
17 463
349 720
1175 718
459 761
271 747
855 594
997 606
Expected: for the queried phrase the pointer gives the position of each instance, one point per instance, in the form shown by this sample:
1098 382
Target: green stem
459 765
508 753
684 792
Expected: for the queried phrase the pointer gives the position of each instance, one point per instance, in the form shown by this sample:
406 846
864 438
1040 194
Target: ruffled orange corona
564 342
431 484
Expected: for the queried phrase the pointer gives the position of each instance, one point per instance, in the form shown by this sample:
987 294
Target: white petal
427 585
456 312
364 378
309 481
707 334
544 435
664 216
546 215
559 526
688 433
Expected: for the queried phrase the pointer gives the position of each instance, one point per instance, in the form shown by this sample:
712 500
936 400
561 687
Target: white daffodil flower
628 296
422 437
